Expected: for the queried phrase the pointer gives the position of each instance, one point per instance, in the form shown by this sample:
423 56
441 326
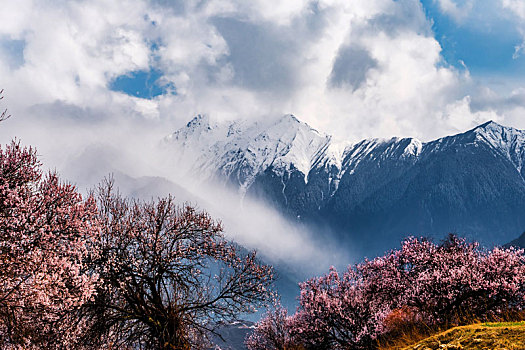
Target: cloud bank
354 69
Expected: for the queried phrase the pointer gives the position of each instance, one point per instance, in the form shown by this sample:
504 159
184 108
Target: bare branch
3 115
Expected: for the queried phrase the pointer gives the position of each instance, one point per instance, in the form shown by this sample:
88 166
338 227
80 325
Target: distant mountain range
372 193
232 336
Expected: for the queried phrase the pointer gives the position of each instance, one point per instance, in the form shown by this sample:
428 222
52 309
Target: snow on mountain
506 141
240 150
473 183
509 141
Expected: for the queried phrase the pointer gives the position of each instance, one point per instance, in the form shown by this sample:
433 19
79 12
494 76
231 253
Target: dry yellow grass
489 336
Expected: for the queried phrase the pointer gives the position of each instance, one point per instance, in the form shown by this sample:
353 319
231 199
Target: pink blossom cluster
422 282
47 233
273 331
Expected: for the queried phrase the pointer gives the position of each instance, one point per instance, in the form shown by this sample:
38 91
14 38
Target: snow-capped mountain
241 150
375 191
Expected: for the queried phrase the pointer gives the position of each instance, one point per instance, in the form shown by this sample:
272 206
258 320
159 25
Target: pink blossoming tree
422 284
47 233
272 332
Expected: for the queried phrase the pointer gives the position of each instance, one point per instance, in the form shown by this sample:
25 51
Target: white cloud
457 11
516 6
518 50
455 113
231 58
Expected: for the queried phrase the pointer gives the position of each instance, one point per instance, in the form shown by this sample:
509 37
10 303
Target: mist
144 167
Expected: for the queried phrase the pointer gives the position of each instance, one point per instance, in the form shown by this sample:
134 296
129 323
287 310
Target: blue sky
143 84
485 39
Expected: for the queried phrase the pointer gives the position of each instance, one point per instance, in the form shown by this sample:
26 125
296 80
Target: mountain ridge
336 150
463 183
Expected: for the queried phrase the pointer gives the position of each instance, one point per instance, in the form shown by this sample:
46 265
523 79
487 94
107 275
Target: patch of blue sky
154 45
13 52
146 84
484 39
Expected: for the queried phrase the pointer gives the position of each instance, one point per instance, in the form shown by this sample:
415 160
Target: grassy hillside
510 335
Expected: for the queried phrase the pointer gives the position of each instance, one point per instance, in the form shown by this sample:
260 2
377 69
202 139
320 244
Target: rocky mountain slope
370 193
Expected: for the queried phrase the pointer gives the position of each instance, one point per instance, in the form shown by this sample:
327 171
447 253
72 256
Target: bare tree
169 275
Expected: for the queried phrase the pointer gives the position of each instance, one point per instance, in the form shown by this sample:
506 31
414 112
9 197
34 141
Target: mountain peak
290 120
199 120
496 130
494 134
489 124
290 117
507 140
243 148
